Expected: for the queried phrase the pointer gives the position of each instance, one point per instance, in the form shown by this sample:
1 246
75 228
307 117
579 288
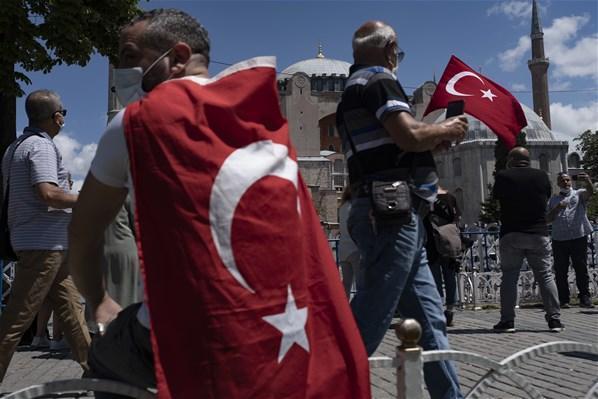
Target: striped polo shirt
371 95
33 225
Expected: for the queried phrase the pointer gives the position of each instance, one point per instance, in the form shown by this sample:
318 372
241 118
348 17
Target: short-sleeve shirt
571 222
371 95
33 224
110 166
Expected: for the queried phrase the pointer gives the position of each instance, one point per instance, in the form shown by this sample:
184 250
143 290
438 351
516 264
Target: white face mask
565 191
128 82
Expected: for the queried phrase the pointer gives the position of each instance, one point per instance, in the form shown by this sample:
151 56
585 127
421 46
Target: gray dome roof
317 66
536 129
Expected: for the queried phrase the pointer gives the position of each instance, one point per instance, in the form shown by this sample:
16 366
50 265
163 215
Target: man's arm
414 136
553 210
54 196
589 191
97 206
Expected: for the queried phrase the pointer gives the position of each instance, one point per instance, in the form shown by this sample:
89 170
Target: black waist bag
391 201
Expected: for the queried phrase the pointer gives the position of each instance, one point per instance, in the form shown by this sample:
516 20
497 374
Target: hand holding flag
484 99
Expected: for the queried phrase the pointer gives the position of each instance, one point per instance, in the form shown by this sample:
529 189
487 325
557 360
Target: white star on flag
488 94
291 323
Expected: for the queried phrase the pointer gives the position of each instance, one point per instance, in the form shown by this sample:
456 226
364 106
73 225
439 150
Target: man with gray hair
39 210
382 140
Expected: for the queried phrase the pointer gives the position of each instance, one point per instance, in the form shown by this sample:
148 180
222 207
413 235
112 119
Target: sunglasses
61 111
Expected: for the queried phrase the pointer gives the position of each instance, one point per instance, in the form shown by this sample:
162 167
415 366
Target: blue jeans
394 272
444 274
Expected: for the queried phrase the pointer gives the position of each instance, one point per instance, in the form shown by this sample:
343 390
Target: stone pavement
555 375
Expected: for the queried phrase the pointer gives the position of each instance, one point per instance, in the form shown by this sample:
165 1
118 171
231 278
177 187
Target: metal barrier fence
478 282
410 360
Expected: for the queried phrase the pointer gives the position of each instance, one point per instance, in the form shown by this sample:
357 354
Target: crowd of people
399 265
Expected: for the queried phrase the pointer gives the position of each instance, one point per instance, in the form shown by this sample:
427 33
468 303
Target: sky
489 36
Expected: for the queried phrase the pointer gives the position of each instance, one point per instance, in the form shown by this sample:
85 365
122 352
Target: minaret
538 66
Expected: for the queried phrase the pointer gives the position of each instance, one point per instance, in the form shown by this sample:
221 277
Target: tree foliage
490 209
36 35
588 146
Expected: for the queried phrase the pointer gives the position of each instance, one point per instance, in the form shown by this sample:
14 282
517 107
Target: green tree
588 146
36 35
490 209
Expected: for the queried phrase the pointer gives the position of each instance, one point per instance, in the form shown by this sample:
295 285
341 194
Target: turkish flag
484 99
244 296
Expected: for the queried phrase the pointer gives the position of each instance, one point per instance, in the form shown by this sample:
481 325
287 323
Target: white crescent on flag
450 86
238 173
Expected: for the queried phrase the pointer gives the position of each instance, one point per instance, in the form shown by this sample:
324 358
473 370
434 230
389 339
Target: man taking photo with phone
570 230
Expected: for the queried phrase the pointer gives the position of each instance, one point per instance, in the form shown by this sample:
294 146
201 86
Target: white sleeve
111 162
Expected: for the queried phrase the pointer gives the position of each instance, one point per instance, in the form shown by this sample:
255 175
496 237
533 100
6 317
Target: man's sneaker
555 325
585 302
40 342
565 305
505 326
59 345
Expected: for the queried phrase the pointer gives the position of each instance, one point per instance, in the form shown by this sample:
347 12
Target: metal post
410 368
474 290
486 266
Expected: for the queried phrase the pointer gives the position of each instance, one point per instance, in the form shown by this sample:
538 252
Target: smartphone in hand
455 108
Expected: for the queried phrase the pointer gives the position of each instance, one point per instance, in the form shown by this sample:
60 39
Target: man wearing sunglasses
39 211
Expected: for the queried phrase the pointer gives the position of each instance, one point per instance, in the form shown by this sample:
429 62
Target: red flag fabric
484 99
244 296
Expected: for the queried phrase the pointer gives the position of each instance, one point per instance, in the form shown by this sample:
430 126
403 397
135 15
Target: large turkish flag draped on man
244 296
484 99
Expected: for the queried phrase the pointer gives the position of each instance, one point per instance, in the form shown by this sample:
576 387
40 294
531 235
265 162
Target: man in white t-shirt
155 47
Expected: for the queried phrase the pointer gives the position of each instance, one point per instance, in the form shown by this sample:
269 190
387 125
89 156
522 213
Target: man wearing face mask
376 121
159 45
38 216
570 230
523 193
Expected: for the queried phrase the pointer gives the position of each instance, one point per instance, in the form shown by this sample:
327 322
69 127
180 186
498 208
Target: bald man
39 205
523 193
381 137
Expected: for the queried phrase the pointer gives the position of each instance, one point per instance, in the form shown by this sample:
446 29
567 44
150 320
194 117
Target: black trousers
577 251
123 353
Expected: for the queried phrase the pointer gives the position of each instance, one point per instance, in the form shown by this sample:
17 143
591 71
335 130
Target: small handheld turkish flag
244 296
484 99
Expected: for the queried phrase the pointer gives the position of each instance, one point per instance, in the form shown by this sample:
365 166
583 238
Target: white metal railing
410 358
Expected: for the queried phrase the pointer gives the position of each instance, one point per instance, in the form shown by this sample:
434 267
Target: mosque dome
536 129
318 66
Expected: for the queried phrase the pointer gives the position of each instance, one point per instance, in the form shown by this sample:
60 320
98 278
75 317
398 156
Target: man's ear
182 53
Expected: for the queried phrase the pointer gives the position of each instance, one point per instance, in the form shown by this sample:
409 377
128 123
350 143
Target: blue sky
490 35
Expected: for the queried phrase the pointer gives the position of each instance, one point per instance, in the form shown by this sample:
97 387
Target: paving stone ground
555 376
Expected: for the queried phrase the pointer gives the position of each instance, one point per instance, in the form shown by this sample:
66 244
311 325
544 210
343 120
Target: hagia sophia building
310 91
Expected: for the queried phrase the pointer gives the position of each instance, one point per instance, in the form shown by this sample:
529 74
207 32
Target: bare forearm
55 196
422 137
84 260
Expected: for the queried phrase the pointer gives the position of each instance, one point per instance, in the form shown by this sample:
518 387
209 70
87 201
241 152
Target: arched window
459 198
440 169
543 162
574 161
457 167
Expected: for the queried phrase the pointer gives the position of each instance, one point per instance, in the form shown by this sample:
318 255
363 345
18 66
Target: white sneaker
40 342
59 345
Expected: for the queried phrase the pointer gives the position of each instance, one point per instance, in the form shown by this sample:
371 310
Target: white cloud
512 9
511 59
75 156
560 85
569 122
518 87
569 55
